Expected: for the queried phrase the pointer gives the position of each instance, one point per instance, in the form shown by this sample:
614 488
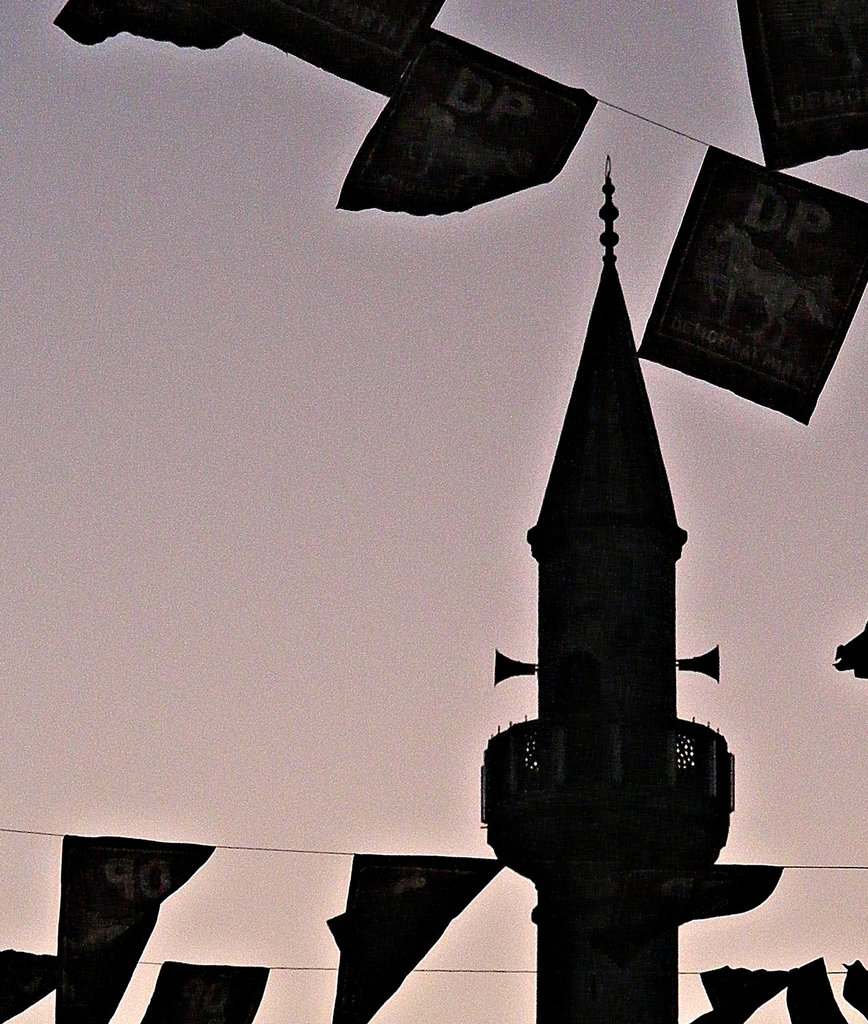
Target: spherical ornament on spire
608 214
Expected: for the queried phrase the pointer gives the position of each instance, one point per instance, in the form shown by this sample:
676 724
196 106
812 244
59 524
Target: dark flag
808 70
462 128
110 896
856 986
810 999
25 978
735 993
182 22
854 655
653 900
369 43
397 908
206 994
761 285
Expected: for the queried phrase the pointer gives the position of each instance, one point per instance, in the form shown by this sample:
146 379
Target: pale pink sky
268 470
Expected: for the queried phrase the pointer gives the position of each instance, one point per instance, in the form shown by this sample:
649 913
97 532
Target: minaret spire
608 214
608 466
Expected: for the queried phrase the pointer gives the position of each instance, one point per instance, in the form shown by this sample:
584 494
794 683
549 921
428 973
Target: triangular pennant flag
110 895
368 43
462 128
810 999
206 994
808 71
762 284
856 986
736 993
853 656
25 978
653 900
397 908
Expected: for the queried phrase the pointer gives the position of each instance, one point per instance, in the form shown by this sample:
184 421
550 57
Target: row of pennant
111 890
807 63
767 270
736 993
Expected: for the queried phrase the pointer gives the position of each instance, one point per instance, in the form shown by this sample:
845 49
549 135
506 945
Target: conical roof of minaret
608 468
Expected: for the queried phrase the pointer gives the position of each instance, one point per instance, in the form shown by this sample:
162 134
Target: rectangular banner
736 993
369 42
762 284
206 994
110 895
397 908
807 61
182 22
25 978
655 899
464 127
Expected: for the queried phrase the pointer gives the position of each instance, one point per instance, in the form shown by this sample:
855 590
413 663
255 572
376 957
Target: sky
268 469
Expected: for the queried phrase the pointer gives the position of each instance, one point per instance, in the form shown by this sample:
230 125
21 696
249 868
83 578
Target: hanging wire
657 124
303 851
307 851
217 846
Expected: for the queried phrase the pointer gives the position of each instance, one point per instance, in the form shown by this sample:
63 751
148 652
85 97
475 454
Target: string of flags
111 891
807 65
767 270
397 909
736 993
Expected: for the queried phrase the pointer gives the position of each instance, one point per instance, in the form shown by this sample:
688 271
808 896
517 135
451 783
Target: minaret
607 792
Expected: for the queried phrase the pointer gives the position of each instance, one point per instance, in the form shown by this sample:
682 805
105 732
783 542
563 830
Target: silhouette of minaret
611 805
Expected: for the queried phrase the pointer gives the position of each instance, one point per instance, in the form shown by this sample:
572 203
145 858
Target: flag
856 986
854 655
206 994
807 64
735 993
810 999
25 978
110 895
653 900
397 908
761 285
462 128
182 22
369 43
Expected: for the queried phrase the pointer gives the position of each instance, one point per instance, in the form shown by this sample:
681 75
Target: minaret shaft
607 628
579 983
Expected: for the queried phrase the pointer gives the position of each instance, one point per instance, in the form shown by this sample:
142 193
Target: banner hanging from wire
762 284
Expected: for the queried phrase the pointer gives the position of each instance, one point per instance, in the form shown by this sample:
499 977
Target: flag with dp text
736 993
462 128
206 994
368 43
653 900
110 895
182 22
762 284
25 978
397 908
807 62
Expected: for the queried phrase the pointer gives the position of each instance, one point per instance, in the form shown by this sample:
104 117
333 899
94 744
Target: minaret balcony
549 789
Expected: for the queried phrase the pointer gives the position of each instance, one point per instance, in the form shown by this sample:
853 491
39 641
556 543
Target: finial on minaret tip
608 213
